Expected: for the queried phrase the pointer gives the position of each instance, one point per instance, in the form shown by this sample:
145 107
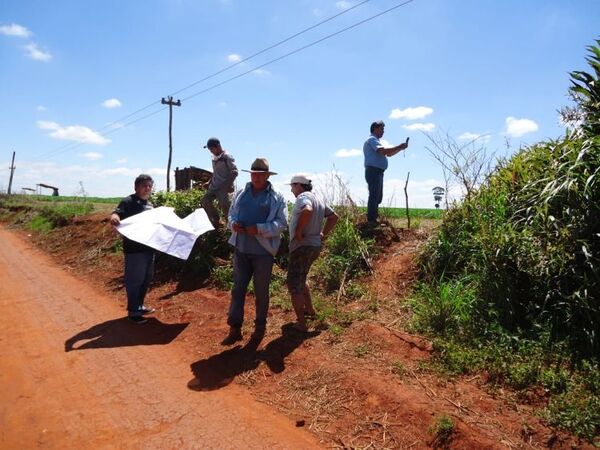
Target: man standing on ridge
375 164
221 183
257 216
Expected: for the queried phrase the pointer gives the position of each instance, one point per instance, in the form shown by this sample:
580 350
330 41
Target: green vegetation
442 429
184 202
61 199
42 216
511 281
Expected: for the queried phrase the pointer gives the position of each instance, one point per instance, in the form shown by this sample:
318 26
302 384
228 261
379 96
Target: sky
82 83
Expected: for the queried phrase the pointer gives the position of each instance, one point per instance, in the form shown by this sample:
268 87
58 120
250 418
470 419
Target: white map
163 230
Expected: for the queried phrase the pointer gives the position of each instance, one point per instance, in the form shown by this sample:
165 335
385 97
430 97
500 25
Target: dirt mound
365 387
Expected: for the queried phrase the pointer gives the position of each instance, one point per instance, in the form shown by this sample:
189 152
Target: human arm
330 222
120 212
303 220
391 151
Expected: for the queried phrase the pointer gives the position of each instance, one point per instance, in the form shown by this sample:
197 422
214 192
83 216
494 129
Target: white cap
300 178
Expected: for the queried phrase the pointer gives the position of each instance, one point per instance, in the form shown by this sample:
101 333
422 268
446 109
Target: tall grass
528 241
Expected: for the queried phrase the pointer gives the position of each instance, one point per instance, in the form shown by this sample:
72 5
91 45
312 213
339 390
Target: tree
465 164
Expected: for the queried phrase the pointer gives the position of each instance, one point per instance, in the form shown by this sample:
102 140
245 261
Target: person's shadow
123 333
221 369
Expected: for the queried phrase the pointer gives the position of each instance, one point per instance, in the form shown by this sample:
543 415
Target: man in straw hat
257 217
307 233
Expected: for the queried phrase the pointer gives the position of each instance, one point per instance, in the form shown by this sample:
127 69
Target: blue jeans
245 267
374 177
139 268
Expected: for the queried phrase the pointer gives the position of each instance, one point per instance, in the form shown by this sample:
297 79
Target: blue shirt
269 232
252 210
372 157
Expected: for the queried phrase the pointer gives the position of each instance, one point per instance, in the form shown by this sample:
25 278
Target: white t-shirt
312 230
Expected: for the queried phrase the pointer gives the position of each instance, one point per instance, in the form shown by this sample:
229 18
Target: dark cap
212 142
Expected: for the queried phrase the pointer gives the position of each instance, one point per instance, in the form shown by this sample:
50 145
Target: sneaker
145 310
137 319
235 334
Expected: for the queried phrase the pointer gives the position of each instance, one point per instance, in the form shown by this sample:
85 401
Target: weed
223 277
361 350
442 430
41 224
399 368
443 307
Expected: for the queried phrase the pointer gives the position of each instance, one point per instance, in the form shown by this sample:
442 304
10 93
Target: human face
144 189
378 132
216 150
296 189
259 180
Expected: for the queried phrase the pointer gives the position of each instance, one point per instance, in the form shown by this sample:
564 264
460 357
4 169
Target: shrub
184 202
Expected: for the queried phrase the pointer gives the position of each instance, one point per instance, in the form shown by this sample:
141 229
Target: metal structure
42 185
190 178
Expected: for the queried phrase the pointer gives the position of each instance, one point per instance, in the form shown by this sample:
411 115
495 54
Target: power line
73 145
214 86
299 49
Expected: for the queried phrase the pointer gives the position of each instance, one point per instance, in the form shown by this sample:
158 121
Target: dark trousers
139 268
374 178
246 267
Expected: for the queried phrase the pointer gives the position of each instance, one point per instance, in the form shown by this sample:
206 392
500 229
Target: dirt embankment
362 388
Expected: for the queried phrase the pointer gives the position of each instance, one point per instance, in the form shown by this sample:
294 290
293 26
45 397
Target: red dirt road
74 374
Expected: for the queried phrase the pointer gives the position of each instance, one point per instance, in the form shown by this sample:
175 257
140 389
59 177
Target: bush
184 202
344 253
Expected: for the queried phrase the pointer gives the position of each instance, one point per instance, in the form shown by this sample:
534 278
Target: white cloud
92 156
77 133
234 58
156 171
420 127
121 161
111 103
347 153
41 108
35 53
468 136
518 127
343 4
411 113
15 30
261 72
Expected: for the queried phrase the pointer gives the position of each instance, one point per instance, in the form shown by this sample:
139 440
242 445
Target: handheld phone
407 139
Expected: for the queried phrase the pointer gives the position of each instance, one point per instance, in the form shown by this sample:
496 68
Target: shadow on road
219 370
123 333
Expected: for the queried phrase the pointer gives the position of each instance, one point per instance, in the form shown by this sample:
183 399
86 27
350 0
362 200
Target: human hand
237 227
251 230
115 220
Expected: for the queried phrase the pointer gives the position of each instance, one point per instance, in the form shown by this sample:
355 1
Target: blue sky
71 71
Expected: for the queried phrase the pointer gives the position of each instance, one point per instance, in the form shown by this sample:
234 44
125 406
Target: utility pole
170 102
12 170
